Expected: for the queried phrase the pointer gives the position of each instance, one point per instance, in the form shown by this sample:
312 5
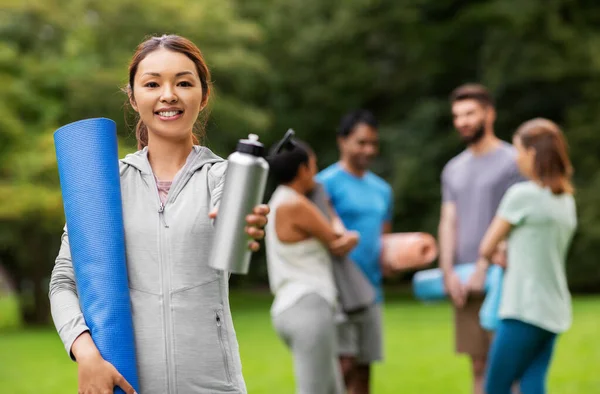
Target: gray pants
308 329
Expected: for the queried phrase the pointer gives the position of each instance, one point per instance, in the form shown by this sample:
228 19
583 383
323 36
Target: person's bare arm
84 347
447 241
447 237
307 218
499 257
493 237
489 248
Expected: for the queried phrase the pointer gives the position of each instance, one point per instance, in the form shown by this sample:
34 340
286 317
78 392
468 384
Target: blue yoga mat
428 285
88 167
488 313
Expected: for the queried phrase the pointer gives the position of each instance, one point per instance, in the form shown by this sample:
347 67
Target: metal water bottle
244 188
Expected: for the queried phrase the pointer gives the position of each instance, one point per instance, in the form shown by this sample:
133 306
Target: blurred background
300 64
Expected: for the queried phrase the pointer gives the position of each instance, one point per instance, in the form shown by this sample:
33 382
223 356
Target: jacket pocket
149 341
202 348
224 348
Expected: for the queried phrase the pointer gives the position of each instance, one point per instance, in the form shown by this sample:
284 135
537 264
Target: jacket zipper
161 215
166 295
166 282
223 349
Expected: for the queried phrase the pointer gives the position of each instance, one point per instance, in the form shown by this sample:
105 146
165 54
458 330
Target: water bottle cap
251 146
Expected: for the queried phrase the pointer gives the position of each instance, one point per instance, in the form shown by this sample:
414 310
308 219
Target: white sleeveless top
296 268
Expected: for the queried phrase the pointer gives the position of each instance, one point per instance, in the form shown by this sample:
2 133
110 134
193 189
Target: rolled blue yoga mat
488 313
428 285
88 166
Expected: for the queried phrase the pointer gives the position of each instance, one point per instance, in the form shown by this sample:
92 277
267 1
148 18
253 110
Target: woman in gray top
184 336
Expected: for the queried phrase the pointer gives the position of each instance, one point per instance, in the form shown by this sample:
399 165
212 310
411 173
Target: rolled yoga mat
404 251
355 292
489 311
428 285
88 166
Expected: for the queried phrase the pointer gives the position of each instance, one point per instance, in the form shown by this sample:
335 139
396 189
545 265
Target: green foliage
10 316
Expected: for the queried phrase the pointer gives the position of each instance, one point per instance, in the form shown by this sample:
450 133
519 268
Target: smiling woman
166 75
184 336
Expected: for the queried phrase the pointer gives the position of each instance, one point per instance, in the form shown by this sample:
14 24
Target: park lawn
418 350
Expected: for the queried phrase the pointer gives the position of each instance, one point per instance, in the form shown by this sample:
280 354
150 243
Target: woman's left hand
256 223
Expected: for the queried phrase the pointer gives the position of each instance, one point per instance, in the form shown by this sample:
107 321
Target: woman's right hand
499 256
96 375
344 244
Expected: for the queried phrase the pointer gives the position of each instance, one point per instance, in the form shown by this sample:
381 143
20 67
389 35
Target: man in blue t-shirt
364 203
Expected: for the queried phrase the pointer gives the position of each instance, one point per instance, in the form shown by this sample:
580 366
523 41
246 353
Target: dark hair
552 165
284 165
176 44
472 91
354 118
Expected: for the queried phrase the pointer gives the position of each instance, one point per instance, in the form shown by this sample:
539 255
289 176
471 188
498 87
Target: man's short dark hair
354 118
284 165
472 91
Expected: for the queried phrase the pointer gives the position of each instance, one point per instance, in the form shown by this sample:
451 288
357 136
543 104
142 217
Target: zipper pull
161 210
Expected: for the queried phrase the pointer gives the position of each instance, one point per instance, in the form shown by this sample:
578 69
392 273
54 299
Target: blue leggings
520 353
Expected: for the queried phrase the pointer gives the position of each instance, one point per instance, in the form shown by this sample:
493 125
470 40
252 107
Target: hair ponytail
552 165
141 135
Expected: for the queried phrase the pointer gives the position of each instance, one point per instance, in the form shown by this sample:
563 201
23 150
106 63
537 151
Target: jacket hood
200 156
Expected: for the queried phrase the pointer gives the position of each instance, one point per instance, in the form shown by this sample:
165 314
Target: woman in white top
298 241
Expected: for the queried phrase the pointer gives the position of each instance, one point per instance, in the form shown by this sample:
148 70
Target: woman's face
525 158
167 94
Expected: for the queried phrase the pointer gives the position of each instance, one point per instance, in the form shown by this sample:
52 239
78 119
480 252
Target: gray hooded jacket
184 336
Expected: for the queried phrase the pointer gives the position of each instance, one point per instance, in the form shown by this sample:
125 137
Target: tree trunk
37 266
7 286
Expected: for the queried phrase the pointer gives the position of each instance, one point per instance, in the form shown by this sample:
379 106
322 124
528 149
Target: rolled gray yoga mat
355 291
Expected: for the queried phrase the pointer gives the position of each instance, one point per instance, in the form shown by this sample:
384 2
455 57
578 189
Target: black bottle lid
251 146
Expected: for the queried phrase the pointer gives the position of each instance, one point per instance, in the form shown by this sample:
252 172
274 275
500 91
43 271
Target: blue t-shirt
364 205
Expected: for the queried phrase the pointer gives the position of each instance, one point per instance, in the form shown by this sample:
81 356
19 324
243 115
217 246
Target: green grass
418 347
